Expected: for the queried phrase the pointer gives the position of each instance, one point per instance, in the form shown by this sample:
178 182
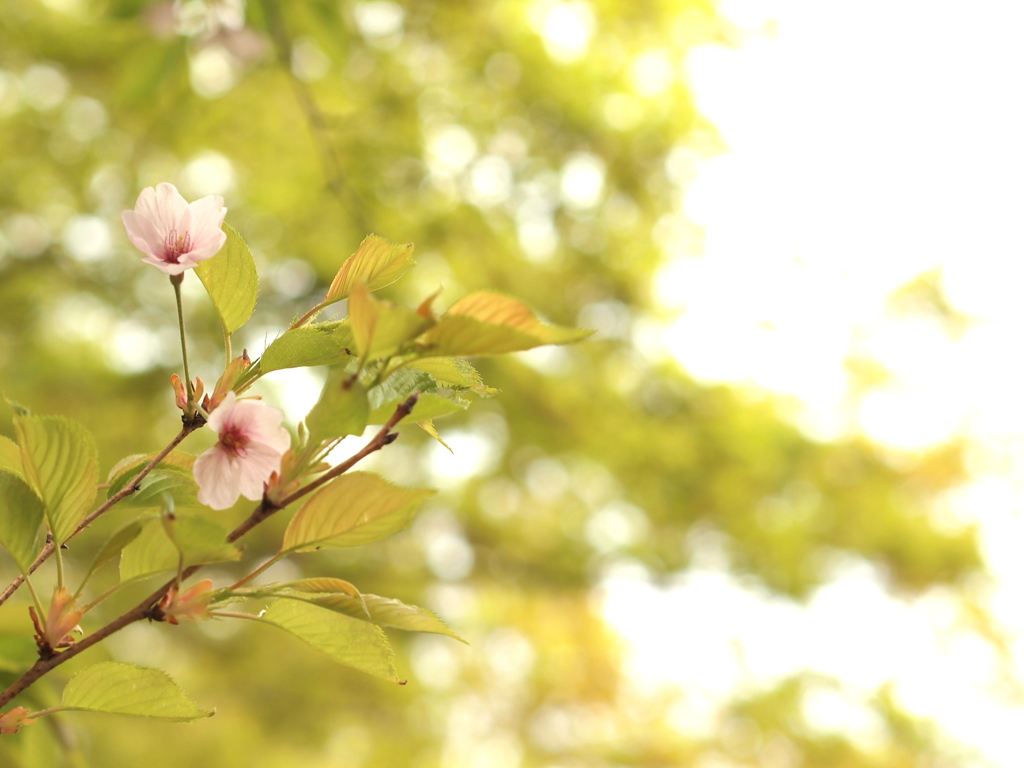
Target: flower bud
180 397
228 379
61 622
11 722
190 605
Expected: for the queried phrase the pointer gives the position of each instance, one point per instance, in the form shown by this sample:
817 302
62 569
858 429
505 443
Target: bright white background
868 142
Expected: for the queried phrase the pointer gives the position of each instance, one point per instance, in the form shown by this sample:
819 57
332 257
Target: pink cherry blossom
175 235
250 444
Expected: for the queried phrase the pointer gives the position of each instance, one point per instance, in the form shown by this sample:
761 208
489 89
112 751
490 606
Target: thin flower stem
101 598
129 488
176 281
35 599
45 712
234 615
149 608
227 345
60 567
245 580
302 320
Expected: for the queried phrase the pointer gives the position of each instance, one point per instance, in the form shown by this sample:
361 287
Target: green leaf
172 477
486 323
199 540
319 584
376 262
399 385
113 546
453 371
125 689
161 484
348 641
381 328
355 509
130 466
21 515
430 429
61 464
382 611
10 456
428 407
316 344
231 280
341 410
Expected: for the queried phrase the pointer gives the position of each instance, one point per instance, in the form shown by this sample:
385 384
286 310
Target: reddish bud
11 722
61 622
227 381
180 397
190 605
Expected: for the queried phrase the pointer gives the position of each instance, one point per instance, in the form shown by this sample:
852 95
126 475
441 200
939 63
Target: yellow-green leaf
130 466
10 456
382 611
161 485
450 370
231 280
399 385
125 689
428 427
316 344
172 478
319 584
115 544
376 262
486 323
380 328
429 406
348 641
21 515
61 464
197 538
341 410
355 509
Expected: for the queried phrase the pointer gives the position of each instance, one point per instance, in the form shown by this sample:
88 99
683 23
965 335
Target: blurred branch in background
318 126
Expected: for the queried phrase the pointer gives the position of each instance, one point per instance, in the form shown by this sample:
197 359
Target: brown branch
149 608
130 487
382 438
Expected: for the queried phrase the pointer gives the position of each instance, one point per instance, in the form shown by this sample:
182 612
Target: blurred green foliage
517 161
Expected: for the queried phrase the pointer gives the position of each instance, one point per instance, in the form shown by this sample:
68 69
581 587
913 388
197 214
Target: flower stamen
234 441
175 245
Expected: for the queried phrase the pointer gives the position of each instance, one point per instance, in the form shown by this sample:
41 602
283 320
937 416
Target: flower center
234 441
175 245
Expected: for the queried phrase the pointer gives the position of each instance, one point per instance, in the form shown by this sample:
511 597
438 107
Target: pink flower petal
218 478
208 213
166 266
222 416
245 462
163 206
163 222
143 233
256 466
263 424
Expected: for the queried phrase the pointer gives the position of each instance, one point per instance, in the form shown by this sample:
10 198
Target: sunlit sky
868 142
